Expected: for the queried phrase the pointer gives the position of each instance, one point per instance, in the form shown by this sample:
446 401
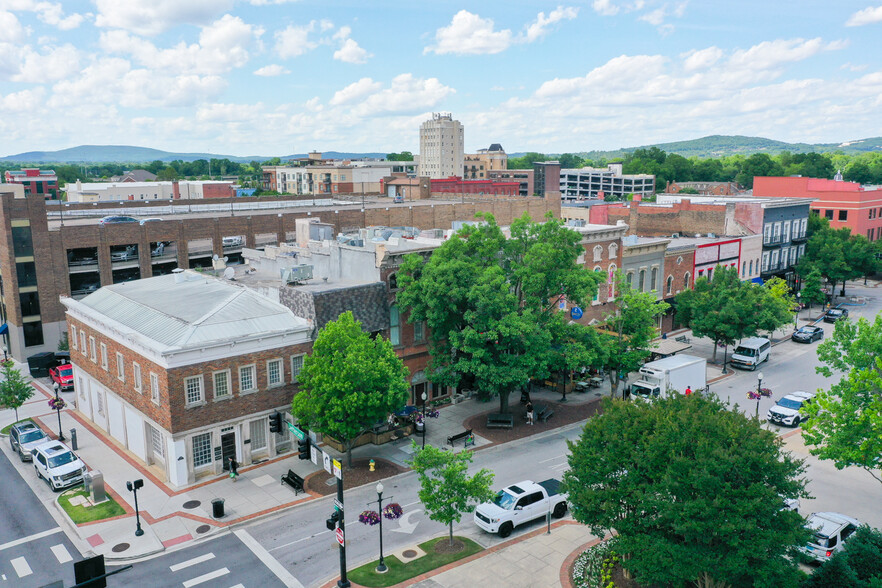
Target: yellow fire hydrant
372 464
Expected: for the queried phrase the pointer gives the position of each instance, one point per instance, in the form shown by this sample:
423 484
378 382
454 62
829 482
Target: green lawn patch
366 575
86 514
5 430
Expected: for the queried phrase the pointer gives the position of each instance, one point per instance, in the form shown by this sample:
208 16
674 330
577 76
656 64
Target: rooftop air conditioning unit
296 274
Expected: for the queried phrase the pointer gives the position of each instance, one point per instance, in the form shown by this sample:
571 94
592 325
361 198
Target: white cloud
405 94
294 41
605 7
269 2
20 102
223 45
350 52
701 58
469 34
271 71
853 66
57 63
869 15
539 28
51 13
355 91
151 17
11 30
771 54
342 33
228 112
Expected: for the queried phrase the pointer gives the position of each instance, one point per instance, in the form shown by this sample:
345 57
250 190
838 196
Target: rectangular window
154 388
419 332
33 333
828 214
296 366
83 348
394 326
120 367
22 244
156 442
222 384
93 352
786 236
30 303
843 215
26 272
274 376
246 379
201 450
258 434
104 356
73 337
136 377
193 389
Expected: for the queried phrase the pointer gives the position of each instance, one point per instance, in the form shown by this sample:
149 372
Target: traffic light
331 523
276 422
303 446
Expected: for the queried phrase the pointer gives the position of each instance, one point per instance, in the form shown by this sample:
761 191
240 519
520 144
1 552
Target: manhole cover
192 504
120 547
409 553
203 529
331 481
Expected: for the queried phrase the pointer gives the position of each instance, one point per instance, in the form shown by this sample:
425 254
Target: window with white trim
669 288
394 326
247 381
201 449
83 349
120 367
136 377
419 331
296 366
653 286
258 434
221 384
154 388
104 356
598 253
686 280
193 389
613 250
274 373
73 337
93 352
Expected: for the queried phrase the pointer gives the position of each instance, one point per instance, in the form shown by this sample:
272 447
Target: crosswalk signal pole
344 581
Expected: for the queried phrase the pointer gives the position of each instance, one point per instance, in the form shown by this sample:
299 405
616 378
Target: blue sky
272 77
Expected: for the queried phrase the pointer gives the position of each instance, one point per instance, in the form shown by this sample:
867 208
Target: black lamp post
759 392
58 402
725 353
381 567
133 488
424 397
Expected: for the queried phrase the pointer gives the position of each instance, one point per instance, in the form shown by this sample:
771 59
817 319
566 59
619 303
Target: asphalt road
34 551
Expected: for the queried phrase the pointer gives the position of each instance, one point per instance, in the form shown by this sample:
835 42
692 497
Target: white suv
58 465
830 529
789 411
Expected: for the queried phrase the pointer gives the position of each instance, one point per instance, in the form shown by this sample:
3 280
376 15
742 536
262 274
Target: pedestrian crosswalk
214 576
22 568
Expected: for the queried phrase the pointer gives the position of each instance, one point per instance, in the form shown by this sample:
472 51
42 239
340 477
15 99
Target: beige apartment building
441 147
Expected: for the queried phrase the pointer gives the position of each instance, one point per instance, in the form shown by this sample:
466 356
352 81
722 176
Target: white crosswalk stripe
191 562
21 567
61 553
206 577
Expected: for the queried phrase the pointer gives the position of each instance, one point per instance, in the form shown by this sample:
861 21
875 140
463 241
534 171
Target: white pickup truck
520 503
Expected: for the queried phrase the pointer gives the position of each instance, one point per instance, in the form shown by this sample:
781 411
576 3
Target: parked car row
54 462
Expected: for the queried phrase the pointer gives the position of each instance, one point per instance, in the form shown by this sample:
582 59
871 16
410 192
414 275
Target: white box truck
674 373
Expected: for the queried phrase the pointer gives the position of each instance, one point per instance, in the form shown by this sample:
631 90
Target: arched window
598 253
670 285
743 269
612 281
597 268
653 286
751 267
613 250
686 279
641 284
393 281
629 279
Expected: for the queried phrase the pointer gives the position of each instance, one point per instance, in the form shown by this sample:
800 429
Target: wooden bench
543 413
682 339
464 435
294 481
500 420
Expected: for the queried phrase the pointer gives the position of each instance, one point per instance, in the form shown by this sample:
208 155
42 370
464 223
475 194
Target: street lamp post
725 354
58 411
381 567
133 488
424 397
798 308
759 392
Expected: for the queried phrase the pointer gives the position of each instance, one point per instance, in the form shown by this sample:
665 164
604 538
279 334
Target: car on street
23 437
788 411
149 220
831 530
55 463
807 334
520 503
63 376
835 314
117 219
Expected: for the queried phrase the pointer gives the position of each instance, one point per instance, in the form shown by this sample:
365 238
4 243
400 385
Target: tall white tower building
441 147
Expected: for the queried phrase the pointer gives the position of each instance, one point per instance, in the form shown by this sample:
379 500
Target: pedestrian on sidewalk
529 413
234 469
688 390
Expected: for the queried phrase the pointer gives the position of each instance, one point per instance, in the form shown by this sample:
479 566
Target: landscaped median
437 552
78 506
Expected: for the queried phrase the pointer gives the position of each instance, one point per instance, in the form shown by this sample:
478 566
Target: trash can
39 364
217 508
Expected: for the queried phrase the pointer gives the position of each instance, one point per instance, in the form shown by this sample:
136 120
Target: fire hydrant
372 464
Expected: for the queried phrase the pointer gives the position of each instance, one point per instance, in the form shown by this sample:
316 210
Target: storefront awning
666 347
4 328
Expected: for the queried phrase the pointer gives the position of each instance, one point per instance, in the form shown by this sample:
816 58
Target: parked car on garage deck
807 334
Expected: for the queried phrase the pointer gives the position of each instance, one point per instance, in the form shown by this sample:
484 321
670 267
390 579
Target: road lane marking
299 540
238 586
269 561
61 553
191 562
553 458
21 567
33 537
206 577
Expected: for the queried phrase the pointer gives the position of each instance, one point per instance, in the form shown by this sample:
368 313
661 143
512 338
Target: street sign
326 461
338 470
338 504
297 432
313 454
339 533
576 313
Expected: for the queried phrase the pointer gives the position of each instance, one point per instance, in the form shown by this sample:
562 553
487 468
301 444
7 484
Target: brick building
603 253
704 188
679 268
35 181
184 370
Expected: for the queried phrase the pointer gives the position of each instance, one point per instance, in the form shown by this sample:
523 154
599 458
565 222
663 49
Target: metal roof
189 310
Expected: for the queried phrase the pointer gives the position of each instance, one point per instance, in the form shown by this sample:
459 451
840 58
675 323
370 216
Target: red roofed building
844 204
35 181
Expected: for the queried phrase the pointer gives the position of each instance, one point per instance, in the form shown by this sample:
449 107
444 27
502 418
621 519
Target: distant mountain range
130 154
712 146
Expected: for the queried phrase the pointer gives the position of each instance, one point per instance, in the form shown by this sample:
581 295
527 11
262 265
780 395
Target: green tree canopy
692 489
403 156
845 424
490 302
14 390
812 290
446 489
349 382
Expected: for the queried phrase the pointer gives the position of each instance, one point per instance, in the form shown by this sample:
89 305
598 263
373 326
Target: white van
751 352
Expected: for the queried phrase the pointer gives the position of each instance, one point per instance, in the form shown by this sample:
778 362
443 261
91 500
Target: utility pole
344 581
